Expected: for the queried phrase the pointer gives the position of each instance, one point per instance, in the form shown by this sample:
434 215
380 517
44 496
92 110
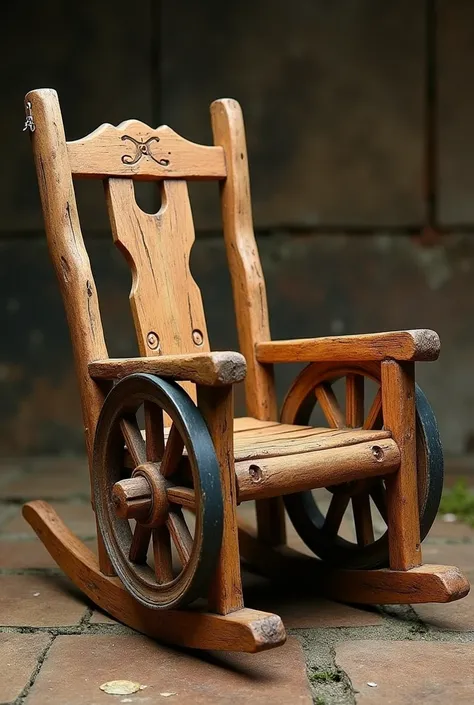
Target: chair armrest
405 345
212 369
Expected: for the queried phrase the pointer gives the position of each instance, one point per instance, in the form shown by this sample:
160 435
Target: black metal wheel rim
303 510
122 403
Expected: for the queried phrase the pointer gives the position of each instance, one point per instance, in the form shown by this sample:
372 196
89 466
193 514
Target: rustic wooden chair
193 458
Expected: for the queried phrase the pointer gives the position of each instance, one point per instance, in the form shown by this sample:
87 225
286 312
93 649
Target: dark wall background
360 122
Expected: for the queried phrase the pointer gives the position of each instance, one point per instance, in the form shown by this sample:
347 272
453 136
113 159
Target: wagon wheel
321 531
156 490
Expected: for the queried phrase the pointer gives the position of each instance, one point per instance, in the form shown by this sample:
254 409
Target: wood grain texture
216 405
398 401
243 630
415 345
305 440
67 250
248 286
276 476
165 300
70 259
354 401
329 405
217 368
136 150
427 583
272 454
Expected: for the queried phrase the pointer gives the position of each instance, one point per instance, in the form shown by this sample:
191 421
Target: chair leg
271 521
216 405
398 401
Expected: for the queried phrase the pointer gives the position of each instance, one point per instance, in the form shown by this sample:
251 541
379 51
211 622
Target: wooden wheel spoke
335 513
140 542
180 534
374 417
377 492
183 496
354 400
363 519
154 432
173 452
133 439
329 405
162 555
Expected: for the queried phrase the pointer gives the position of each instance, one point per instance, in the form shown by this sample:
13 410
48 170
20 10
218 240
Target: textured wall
359 120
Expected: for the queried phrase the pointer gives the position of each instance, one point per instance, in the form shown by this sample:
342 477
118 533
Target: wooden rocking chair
193 458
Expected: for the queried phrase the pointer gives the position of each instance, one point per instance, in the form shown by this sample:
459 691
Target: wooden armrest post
216 405
398 402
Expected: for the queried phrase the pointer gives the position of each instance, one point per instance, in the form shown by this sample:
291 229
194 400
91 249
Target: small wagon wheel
321 531
183 472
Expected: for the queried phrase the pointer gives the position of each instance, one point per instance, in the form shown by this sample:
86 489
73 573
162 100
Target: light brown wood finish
212 368
248 423
427 583
271 445
399 345
248 286
330 406
398 400
276 476
242 630
216 405
67 250
70 259
157 248
375 412
135 149
286 463
169 318
354 401
355 419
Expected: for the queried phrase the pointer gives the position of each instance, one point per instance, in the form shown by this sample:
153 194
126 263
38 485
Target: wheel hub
143 496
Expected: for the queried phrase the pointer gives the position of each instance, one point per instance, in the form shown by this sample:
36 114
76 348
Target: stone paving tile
460 555
276 676
300 610
19 654
450 531
54 478
39 601
78 517
455 616
409 672
99 617
24 555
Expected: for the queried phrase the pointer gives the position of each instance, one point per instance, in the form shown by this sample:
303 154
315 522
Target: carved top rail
138 151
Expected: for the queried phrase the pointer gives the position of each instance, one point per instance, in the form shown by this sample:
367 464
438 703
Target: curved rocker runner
169 463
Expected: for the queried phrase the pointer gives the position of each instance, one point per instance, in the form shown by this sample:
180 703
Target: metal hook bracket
29 122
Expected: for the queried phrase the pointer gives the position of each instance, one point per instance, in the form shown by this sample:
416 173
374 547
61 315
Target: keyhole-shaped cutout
147 196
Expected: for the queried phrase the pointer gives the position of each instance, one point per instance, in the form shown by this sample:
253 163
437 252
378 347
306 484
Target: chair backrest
166 302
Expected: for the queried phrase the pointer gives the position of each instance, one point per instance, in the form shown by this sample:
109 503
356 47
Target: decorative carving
135 150
142 150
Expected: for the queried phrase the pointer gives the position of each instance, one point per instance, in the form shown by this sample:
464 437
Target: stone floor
56 649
